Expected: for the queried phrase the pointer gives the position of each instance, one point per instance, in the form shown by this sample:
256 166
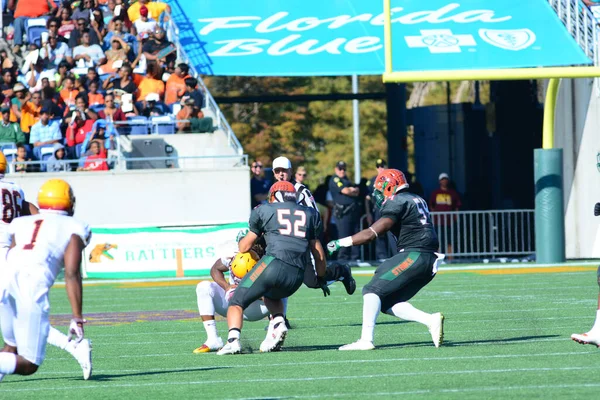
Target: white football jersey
40 244
11 196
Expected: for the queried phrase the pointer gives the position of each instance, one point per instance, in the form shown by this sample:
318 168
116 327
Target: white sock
284 301
58 339
596 327
409 313
371 307
210 327
8 363
233 334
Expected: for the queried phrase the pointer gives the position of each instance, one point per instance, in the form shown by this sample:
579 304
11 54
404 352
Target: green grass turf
507 336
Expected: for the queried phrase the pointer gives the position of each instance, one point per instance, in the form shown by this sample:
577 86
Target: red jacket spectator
33 8
77 132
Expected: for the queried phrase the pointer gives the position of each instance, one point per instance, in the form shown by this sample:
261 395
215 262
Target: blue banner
345 37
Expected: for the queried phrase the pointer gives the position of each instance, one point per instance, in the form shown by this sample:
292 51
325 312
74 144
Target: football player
41 245
282 171
214 296
399 278
290 231
593 336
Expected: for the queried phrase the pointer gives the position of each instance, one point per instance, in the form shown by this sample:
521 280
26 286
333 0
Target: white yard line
307 379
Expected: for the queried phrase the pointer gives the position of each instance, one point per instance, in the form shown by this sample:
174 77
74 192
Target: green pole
549 209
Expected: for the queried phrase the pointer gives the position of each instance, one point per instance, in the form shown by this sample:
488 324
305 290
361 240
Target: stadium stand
130 83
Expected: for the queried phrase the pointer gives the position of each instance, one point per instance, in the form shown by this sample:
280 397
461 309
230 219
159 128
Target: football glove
333 246
323 285
76 329
597 209
241 234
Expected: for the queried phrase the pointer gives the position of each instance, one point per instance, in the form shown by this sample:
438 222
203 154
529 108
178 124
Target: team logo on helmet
277 190
387 184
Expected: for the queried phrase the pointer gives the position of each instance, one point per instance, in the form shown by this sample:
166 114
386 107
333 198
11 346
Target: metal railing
580 23
117 162
173 36
467 235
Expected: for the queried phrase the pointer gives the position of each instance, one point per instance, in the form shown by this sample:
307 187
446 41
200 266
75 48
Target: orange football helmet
388 183
275 193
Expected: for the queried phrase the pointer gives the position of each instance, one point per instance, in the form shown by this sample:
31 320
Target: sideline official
346 209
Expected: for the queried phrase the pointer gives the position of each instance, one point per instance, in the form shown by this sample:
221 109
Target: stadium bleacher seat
35 27
138 125
97 107
164 125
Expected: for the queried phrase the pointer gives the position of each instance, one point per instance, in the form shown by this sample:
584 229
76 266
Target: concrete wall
577 132
167 197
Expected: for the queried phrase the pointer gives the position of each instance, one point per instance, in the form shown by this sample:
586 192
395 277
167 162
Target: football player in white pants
41 245
593 336
214 296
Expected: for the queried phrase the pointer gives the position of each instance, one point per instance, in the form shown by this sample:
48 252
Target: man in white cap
282 171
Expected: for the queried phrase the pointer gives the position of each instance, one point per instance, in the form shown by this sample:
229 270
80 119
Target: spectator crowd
77 71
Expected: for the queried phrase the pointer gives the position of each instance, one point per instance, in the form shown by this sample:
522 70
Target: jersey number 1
283 217
36 230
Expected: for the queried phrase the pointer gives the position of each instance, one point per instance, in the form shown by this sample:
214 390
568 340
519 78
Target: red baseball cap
144 11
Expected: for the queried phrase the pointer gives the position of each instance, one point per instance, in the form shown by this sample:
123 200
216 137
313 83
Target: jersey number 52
297 228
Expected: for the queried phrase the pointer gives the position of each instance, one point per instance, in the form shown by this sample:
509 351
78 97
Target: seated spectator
5 61
81 105
151 83
36 73
54 52
175 87
87 54
94 97
111 112
26 10
92 76
144 25
20 98
56 162
53 24
77 34
186 114
157 48
21 158
104 133
97 23
155 9
61 74
150 106
65 23
96 160
124 81
118 29
10 132
80 84
115 56
50 100
8 82
31 113
192 92
44 132
78 129
68 94
83 11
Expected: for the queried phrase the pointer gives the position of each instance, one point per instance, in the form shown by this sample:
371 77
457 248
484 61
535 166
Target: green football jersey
288 228
412 223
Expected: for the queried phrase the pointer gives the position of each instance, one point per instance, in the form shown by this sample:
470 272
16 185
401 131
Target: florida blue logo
508 39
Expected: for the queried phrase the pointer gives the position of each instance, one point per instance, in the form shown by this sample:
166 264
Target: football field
507 336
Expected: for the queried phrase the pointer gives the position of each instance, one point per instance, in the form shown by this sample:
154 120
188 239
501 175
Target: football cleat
233 347
275 336
587 338
207 347
358 345
83 355
349 282
437 329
